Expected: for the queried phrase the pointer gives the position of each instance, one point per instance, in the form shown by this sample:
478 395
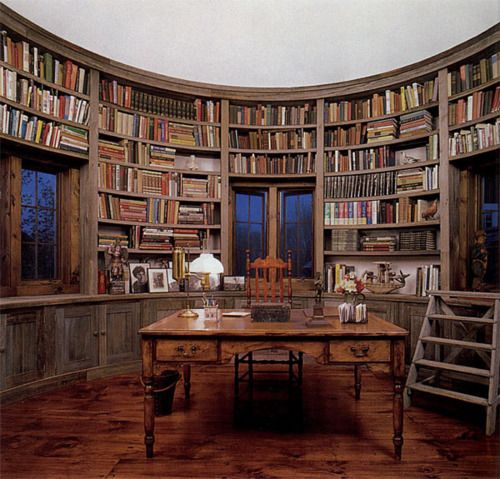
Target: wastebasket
164 384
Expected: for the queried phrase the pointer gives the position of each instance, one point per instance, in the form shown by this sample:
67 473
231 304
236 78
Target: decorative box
270 312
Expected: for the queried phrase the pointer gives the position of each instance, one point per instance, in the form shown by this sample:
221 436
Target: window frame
68 227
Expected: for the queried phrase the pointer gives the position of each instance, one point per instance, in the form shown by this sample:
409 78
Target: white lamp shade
206 263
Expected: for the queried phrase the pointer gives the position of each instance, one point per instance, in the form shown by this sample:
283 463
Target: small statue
318 287
431 213
479 260
115 259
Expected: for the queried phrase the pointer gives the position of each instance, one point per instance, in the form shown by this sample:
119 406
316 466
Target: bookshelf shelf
148 195
472 154
412 194
273 127
38 113
419 224
383 253
269 175
49 149
466 124
48 84
159 168
409 166
470 91
101 249
375 144
160 225
397 114
263 152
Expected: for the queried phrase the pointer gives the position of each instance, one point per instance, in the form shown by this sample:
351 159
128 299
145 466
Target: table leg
186 372
149 408
357 381
398 368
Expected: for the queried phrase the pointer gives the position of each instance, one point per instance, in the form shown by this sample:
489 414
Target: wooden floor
95 430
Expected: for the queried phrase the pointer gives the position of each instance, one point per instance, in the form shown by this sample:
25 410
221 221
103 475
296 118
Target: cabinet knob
96 333
103 333
360 352
180 349
194 348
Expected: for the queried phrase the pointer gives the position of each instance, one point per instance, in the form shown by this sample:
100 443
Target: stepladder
457 351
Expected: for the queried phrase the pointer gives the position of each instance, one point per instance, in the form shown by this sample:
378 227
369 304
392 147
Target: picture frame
139 277
158 280
173 284
233 283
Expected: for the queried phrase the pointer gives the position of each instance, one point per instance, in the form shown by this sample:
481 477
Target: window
296 230
249 227
490 199
38 225
271 220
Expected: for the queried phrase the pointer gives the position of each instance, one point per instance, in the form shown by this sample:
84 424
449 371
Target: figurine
115 258
431 213
318 286
479 260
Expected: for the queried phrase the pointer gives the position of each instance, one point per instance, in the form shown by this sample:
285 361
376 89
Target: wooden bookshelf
303 111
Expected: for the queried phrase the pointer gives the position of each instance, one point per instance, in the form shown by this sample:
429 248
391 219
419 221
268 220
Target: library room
249 239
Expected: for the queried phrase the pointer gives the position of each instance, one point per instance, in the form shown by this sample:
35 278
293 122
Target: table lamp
205 265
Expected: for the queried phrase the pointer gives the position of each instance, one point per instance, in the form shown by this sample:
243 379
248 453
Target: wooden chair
269 287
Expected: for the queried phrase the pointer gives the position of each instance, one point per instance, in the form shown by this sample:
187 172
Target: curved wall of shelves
152 129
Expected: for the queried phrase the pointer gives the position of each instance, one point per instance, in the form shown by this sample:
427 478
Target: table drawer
353 351
182 350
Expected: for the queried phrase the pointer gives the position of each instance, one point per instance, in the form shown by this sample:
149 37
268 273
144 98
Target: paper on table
236 314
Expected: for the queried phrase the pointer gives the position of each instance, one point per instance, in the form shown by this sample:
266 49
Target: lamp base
188 313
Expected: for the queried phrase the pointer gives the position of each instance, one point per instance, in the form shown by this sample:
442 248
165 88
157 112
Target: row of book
412 124
345 240
137 153
273 140
20 125
428 279
156 211
271 115
354 160
477 137
356 186
470 75
272 165
157 129
44 65
475 106
26 93
335 273
408 97
400 211
418 179
130 97
151 238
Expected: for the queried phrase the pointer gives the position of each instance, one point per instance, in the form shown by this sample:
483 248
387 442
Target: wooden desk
178 341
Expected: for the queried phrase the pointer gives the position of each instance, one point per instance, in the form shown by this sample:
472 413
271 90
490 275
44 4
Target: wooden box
270 312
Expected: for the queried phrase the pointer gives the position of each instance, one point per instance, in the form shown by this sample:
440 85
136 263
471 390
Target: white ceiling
264 42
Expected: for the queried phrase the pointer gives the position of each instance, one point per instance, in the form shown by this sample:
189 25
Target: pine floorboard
95 430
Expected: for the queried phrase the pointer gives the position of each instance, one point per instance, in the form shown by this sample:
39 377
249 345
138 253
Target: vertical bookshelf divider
226 233
319 208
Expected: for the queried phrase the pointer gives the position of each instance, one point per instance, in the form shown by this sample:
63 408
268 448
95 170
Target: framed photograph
158 282
234 283
138 277
173 285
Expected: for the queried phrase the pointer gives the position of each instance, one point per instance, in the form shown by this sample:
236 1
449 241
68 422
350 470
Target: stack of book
382 130
73 139
428 278
424 240
187 238
344 240
156 239
181 134
409 180
108 239
161 156
417 123
132 210
109 150
379 243
197 214
194 187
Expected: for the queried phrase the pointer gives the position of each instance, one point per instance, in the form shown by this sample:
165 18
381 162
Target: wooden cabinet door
411 317
121 340
77 338
21 341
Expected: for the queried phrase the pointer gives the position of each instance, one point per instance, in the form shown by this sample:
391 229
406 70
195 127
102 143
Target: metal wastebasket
164 386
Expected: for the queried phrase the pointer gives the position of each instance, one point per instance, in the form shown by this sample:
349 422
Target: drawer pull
360 352
180 349
194 348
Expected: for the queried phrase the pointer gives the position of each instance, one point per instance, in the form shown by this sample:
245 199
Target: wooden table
178 341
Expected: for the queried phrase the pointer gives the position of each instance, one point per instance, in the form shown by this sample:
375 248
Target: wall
264 42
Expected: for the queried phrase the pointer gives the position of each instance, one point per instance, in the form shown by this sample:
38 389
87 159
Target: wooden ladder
449 341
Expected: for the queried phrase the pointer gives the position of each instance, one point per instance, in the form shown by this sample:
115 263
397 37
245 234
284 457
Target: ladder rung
469 319
447 393
457 342
453 367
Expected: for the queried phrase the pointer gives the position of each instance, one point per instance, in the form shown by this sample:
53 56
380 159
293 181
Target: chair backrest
269 279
